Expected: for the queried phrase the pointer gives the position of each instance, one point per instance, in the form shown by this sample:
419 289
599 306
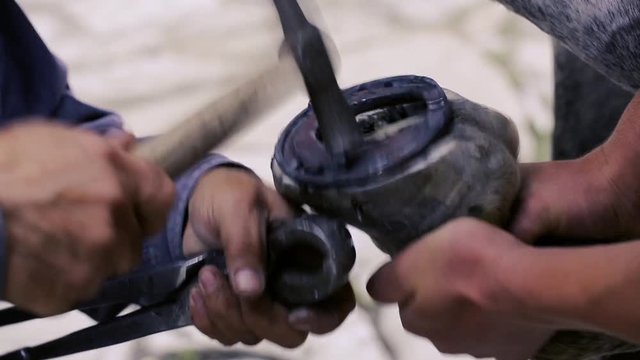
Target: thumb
387 285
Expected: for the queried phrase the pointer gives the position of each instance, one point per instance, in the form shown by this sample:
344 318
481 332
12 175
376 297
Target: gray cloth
603 33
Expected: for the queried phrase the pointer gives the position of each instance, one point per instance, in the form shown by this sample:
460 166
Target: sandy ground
156 61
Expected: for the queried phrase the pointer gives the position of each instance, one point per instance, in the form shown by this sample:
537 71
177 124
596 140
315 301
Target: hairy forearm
591 288
621 168
609 205
604 33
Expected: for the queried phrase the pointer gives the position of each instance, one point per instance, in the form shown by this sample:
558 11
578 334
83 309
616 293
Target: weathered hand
76 209
597 196
452 287
230 209
571 199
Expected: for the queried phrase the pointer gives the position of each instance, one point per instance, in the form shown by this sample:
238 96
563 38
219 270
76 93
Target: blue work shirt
34 83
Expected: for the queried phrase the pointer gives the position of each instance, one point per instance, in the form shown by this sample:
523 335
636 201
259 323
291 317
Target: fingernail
248 282
301 319
208 282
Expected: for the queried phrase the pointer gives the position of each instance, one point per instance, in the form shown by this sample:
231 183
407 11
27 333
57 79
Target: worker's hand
573 199
230 209
453 287
76 208
596 196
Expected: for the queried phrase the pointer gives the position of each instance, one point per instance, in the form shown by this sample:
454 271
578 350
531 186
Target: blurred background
157 61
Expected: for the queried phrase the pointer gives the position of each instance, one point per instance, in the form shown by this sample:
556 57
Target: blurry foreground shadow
215 355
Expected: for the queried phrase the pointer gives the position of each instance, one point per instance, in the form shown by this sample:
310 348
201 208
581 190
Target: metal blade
144 322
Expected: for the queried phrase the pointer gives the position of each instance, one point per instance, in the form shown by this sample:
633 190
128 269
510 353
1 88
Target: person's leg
587 106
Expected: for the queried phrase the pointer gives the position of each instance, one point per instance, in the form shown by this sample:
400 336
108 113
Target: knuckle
419 324
102 235
100 241
408 325
83 281
48 308
150 178
251 341
108 193
294 341
126 264
78 280
445 345
219 305
208 331
247 191
203 325
227 342
113 193
98 146
226 302
132 260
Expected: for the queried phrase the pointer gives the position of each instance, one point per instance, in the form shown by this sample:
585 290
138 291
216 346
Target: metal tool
309 258
165 288
396 190
163 292
338 128
428 156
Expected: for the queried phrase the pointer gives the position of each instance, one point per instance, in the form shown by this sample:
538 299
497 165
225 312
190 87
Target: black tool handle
309 258
337 122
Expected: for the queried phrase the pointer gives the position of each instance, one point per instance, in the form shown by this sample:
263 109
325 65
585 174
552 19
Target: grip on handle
310 258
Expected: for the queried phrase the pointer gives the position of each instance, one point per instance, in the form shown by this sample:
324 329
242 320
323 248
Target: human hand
596 196
455 287
230 209
76 209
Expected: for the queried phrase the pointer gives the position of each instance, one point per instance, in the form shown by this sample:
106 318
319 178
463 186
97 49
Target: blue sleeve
167 245
33 83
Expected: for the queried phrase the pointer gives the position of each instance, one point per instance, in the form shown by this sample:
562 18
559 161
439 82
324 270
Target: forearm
603 33
591 288
621 148
620 159
595 197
